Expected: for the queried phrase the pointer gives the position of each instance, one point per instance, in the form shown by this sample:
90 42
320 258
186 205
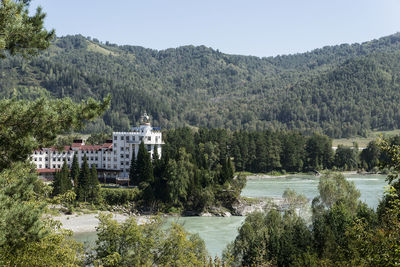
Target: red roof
47 170
80 146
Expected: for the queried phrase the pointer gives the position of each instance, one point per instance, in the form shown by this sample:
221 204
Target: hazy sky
252 27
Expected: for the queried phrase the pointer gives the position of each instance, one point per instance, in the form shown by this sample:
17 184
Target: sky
252 27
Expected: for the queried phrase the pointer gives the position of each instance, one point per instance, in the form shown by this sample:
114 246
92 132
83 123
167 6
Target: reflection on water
217 232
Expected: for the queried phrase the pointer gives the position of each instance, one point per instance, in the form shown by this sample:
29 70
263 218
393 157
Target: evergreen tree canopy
27 125
21 33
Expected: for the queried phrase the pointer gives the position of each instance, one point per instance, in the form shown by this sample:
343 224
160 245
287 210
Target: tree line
340 91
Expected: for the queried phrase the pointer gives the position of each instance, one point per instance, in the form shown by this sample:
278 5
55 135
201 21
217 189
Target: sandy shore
79 223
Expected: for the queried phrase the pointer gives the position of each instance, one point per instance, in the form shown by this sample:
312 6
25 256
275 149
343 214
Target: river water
217 232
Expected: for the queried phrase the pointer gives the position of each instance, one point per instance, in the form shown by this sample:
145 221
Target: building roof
47 170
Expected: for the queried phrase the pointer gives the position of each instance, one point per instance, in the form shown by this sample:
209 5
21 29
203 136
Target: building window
58 165
122 156
148 147
122 137
149 138
40 166
122 149
115 137
115 166
127 163
34 159
127 156
54 166
127 138
122 163
115 159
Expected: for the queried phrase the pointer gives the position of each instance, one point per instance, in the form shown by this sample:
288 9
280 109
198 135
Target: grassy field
363 141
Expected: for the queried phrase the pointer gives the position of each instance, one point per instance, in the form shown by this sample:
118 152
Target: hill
342 90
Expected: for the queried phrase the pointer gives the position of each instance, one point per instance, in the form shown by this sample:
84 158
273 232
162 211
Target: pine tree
94 188
75 170
144 174
83 181
62 182
144 168
66 183
132 170
56 184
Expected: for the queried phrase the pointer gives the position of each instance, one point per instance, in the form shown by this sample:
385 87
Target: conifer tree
62 182
144 174
74 174
144 168
132 170
56 184
83 181
94 188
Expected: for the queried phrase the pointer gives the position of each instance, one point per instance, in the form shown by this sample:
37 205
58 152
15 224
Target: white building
112 159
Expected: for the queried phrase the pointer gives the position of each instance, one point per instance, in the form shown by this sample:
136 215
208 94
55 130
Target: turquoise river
217 232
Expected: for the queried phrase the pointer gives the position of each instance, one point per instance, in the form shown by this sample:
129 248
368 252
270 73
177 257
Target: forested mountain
341 90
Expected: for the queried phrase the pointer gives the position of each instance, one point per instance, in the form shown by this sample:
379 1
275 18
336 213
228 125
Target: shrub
118 196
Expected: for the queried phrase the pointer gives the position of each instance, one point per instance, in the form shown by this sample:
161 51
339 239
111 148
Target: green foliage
62 181
27 125
344 232
84 181
118 196
75 170
21 33
131 244
346 158
26 238
334 188
97 138
340 91
271 238
94 185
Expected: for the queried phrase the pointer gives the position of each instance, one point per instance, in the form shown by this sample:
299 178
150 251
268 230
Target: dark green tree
132 170
75 170
84 181
27 125
319 152
144 168
346 158
21 33
62 181
94 186
370 155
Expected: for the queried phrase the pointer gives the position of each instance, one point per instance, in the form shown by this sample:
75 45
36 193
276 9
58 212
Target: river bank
252 176
82 223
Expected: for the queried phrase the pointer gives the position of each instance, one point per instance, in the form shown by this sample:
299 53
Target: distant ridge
342 90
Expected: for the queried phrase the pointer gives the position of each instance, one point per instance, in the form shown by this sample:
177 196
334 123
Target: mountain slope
340 90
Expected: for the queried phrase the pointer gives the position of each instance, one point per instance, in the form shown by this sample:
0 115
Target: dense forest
340 91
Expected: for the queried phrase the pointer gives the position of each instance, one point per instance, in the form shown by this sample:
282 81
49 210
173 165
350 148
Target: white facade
113 156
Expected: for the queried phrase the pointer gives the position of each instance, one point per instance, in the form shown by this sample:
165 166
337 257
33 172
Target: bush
118 196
